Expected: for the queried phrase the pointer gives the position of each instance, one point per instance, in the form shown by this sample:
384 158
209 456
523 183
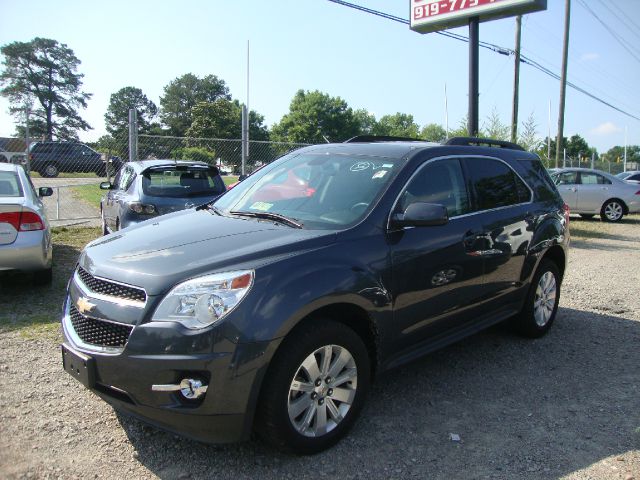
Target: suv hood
159 253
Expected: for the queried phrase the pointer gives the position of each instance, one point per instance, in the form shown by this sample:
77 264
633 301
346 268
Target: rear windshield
10 185
182 183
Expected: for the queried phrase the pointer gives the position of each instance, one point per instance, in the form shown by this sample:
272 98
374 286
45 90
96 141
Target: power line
621 18
625 44
624 14
490 46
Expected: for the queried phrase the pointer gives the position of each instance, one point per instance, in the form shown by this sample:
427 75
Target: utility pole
516 82
563 79
133 135
474 61
27 141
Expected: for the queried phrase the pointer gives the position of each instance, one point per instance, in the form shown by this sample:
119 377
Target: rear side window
10 185
538 179
495 184
588 178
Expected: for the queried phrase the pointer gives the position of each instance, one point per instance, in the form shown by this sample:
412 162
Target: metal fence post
133 135
57 203
245 135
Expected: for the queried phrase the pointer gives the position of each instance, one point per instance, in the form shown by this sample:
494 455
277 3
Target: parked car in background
593 192
271 308
148 188
632 176
25 237
51 158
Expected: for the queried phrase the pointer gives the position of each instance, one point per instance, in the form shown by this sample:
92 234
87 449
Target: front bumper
30 252
159 353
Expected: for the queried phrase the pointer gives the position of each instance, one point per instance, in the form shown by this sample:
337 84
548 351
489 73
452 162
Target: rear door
592 191
437 278
503 203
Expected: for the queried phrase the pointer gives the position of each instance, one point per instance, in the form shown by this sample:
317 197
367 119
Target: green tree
222 119
315 117
528 135
397 125
615 154
184 93
43 74
433 132
366 121
494 128
117 116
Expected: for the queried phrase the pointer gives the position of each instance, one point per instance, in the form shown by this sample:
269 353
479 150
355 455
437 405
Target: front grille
111 289
99 332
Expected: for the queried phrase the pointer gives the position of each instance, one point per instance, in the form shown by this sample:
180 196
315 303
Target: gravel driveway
564 406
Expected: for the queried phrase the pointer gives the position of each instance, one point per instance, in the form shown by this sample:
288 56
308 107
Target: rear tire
541 305
50 170
612 211
314 389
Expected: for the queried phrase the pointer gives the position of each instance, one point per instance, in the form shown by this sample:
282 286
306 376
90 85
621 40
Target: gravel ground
564 406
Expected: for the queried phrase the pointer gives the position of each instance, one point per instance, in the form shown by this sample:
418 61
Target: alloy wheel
613 211
322 390
545 298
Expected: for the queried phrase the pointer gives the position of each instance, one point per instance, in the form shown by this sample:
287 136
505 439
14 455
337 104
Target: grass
35 311
90 194
68 175
589 229
229 179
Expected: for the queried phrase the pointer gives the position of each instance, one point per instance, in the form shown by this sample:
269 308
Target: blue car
145 189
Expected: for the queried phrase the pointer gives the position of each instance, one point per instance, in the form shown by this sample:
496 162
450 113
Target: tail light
566 209
145 208
23 221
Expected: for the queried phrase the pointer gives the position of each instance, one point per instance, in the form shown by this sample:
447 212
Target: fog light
189 388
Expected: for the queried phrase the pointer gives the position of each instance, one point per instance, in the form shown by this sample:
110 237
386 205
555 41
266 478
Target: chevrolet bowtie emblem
84 305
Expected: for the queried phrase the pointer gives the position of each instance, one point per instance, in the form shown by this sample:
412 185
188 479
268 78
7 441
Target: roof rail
380 138
482 142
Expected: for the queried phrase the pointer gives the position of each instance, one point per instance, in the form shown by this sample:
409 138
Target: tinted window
440 182
495 184
588 178
181 183
634 177
538 178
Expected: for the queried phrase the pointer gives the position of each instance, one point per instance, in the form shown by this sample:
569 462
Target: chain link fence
570 162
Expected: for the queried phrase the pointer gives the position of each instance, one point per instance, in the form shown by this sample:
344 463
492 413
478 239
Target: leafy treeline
42 75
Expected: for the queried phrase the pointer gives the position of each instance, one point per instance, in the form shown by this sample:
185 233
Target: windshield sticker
360 166
261 206
379 174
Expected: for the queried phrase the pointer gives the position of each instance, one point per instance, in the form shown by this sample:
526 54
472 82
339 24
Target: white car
593 192
632 176
25 237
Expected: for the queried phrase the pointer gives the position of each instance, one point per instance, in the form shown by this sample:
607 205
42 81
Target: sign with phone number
433 15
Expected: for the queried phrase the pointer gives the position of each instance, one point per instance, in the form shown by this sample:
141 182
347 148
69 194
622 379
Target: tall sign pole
563 80
474 74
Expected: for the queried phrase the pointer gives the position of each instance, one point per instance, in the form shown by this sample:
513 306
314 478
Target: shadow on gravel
523 409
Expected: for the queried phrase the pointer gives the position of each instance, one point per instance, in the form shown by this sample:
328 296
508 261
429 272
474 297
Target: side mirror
45 191
105 186
421 214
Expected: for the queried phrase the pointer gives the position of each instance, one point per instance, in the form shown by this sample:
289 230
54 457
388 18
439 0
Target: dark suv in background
51 158
273 307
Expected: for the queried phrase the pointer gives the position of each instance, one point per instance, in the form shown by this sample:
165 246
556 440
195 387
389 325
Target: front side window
440 182
126 177
565 178
495 184
319 190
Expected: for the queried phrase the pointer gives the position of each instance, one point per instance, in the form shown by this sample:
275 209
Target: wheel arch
625 208
557 255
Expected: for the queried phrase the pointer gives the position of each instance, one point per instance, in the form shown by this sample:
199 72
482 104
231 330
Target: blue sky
370 62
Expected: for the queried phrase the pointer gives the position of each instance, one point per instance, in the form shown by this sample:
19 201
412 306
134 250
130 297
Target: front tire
612 211
314 389
50 170
541 305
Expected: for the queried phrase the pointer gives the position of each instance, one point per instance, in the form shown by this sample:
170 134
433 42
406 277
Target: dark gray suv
51 158
272 308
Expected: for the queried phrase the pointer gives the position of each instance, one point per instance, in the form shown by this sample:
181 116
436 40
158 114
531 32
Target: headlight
202 301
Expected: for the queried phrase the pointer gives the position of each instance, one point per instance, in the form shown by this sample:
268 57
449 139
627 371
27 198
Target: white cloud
606 128
589 57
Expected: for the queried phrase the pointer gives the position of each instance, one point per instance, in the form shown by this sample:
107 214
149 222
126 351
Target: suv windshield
190 182
318 190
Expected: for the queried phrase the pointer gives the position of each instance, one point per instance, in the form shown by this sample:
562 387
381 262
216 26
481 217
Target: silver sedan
593 192
25 236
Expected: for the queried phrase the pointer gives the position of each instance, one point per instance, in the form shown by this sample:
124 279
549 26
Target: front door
437 273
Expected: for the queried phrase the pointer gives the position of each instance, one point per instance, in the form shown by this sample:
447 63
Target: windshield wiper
269 216
210 206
